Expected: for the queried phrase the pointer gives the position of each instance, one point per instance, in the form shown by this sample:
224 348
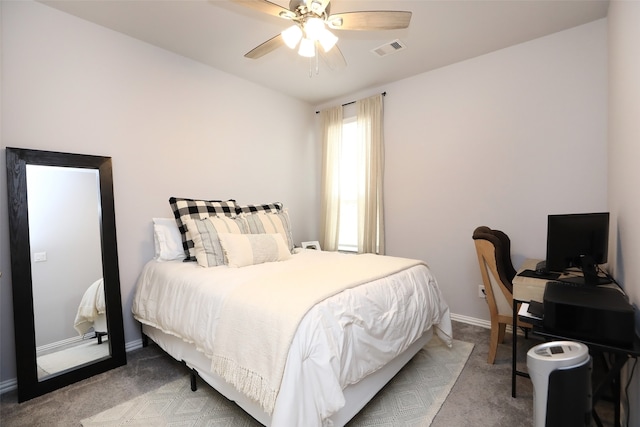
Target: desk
527 289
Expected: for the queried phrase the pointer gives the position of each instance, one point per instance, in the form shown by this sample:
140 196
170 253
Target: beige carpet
412 398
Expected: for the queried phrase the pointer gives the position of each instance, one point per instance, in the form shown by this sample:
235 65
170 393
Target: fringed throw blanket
259 319
91 306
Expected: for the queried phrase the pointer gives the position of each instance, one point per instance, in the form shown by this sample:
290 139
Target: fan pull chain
317 62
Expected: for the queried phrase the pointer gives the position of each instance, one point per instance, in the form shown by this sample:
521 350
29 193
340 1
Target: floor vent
389 48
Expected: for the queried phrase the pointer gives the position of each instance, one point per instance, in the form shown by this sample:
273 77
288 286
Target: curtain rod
353 102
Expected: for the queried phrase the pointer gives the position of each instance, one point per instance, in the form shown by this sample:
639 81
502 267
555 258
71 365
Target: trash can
561 375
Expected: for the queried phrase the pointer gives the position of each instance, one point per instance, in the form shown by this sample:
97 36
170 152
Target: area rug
411 398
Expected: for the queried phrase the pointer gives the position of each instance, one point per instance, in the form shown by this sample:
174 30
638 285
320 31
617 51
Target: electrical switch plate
481 291
39 256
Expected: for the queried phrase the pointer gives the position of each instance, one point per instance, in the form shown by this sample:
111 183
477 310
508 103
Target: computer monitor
578 240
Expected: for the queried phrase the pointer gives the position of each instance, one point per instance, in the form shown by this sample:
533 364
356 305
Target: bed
91 313
306 338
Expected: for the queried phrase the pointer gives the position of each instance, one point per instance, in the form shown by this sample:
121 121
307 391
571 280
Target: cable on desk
626 390
609 276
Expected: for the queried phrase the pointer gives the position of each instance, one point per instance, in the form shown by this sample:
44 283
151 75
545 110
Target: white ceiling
442 32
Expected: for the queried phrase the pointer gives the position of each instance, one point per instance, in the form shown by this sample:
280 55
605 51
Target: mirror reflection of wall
65 241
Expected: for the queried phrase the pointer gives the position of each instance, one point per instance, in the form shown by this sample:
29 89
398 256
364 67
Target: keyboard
575 284
547 275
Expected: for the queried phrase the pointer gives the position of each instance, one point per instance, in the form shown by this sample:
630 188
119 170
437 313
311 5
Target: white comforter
339 341
91 306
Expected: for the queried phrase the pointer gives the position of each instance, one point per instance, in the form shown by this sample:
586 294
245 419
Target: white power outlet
481 293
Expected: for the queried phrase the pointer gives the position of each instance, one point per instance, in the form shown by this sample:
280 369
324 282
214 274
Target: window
352 173
349 166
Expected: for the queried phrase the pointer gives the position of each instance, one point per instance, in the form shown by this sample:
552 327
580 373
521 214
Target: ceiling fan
310 34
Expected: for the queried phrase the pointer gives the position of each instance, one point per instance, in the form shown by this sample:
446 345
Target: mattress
338 342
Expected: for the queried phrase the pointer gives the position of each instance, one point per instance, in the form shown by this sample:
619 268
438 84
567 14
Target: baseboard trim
480 322
133 345
8 385
471 320
59 344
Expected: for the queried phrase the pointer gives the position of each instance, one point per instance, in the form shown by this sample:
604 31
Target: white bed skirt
356 395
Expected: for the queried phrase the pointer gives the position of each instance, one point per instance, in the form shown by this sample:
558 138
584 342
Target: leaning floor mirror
64 269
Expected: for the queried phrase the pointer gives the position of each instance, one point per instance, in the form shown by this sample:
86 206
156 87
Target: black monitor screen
574 240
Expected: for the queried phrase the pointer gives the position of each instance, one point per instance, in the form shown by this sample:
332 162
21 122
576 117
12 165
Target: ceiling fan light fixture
314 28
313 20
292 36
328 40
307 48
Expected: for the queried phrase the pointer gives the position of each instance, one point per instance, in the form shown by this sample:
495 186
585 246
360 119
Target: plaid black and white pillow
198 209
267 208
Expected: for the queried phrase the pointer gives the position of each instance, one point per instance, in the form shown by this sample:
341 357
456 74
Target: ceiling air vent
389 48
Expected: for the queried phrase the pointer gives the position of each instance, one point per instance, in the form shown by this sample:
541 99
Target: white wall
173 127
501 140
624 154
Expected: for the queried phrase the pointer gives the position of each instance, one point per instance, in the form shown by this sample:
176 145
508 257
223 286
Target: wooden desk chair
494 257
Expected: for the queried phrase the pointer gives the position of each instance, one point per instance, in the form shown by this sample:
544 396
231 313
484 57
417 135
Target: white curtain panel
370 118
330 190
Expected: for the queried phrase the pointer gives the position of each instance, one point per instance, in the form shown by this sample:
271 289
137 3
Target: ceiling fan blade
267 7
266 47
334 58
371 20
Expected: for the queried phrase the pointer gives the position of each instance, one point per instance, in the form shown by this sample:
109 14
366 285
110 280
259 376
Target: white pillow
205 232
167 240
248 249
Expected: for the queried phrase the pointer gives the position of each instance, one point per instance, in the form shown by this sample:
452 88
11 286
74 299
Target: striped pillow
261 223
184 209
206 242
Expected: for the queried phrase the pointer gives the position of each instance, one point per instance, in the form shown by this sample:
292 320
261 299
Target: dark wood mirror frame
25 341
